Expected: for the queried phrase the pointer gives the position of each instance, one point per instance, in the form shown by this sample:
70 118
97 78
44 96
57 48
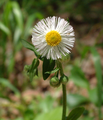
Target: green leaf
17 34
11 64
27 45
28 25
6 83
46 104
97 64
53 71
93 95
55 114
98 68
6 13
85 51
99 45
78 77
17 14
30 47
73 100
75 113
48 65
28 114
5 29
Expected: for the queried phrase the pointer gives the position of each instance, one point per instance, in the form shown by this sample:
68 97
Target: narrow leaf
98 68
17 34
4 29
75 113
17 14
30 47
6 83
93 95
7 13
28 25
11 64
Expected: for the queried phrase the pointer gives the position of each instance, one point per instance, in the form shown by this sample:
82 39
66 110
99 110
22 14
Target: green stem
64 102
64 91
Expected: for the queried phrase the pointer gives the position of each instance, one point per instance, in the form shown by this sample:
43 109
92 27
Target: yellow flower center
53 38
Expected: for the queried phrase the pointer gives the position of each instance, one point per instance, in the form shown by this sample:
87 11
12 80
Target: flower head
52 37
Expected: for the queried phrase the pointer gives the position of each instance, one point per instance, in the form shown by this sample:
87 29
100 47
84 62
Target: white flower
52 37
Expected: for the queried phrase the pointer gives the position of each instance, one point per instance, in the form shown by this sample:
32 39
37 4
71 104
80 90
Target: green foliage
48 65
51 115
4 28
98 68
17 14
32 69
12 28
53 71
4 82
46 104
28 25
83 9
93 95
75 113
78 77
74 100
30 47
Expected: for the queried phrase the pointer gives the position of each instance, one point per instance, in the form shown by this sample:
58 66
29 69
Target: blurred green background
21 99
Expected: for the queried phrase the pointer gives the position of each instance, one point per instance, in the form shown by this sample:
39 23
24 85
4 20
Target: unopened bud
26 68
54 82
64 79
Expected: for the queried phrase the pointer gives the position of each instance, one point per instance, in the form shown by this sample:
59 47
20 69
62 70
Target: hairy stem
64 91
64 102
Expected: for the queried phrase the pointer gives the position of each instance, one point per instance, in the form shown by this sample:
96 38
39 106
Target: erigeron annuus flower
53 37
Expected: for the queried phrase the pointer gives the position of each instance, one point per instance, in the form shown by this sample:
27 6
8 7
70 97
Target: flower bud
64 79
35 63
54 82
26 68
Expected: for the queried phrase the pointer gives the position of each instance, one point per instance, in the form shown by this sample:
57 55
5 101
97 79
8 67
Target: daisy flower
53 37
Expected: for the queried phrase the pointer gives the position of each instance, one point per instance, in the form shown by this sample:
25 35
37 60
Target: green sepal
48 65
31 47
36 72
32 69
32 74
53 71
34 64
75 113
